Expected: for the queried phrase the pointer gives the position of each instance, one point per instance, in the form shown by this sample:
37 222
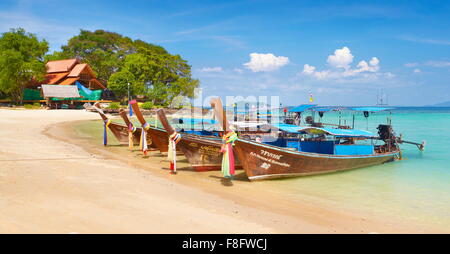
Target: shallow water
415 189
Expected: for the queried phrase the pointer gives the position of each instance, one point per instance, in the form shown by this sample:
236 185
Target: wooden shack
68 71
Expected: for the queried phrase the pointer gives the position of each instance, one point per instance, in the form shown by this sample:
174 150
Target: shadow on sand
242 177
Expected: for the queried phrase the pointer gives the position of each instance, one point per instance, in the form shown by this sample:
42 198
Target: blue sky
344 52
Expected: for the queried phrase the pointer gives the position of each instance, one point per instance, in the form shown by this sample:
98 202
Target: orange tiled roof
69 81
53 78
61 65
97 83
79 68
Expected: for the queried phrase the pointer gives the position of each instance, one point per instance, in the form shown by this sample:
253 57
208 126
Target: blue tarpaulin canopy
347 132
328 131
82 88
287 127
370 109
302 107
327 109
314 107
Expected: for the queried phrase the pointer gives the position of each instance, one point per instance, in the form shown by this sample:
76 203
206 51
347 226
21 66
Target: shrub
114 105
147 105
35 105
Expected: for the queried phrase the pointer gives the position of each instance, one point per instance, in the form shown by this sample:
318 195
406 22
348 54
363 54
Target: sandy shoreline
51 182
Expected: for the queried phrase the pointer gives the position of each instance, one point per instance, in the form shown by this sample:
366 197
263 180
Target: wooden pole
216 104
162 117
138 112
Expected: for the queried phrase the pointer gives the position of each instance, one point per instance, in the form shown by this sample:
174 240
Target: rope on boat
131 130
106 124
143 144
228 156
172 152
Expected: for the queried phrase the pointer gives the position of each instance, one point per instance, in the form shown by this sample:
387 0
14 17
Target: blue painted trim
316 154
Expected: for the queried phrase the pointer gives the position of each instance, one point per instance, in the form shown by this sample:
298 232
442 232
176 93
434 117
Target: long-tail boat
297 158
202 151
158 136
119 131
313 150
134 131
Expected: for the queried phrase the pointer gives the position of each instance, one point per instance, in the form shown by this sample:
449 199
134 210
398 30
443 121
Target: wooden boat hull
159 138
262 161
203 153
121 133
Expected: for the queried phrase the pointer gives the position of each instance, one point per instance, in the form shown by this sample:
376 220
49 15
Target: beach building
64 77
67 72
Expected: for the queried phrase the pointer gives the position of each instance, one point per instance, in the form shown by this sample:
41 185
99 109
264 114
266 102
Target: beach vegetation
21 61
147 105
131 65
32 106
114 105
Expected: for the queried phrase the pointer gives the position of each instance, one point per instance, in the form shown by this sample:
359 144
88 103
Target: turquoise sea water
416 188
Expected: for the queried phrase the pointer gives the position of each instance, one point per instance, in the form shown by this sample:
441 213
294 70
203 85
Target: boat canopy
314 107
291 128
327 131
327 108
370 109
302 107
341 132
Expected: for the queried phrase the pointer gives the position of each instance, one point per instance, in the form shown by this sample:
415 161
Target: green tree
21 60
118 83
168 75
118 60
104 51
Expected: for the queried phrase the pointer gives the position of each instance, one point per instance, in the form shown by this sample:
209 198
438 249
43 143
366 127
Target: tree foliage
21 60
102 50
168 76
119 60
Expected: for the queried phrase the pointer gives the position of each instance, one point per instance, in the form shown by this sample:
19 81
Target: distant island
442 104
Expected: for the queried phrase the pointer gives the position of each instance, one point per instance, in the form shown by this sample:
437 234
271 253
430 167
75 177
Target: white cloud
238 70
341 58
308 69
411 64
372 66
341 62
417 70
388 75
425 40
438 63
265 62
211 69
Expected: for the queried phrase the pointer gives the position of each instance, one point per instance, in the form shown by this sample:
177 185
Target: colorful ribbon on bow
228 156
172 152
106 124
143 143
131 130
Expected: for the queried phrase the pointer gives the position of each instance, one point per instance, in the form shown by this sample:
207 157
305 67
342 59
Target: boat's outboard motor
385 132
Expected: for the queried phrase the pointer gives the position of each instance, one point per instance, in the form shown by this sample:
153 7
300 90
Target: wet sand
55 177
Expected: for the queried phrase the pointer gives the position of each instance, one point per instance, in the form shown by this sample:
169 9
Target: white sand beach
52 186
